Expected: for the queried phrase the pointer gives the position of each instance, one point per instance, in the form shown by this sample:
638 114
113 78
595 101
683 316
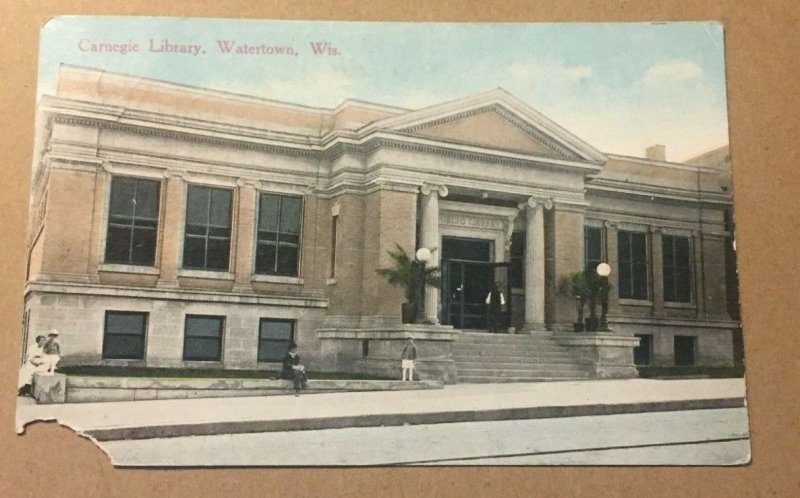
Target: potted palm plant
412 276
575 286
586 288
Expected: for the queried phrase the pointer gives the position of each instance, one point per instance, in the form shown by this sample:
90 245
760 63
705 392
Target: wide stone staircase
482 357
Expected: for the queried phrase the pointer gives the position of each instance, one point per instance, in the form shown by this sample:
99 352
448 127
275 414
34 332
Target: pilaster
246 225
174 207
657 265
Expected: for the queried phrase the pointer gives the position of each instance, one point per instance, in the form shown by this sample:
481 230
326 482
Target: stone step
508 365
503 350
543 370
492 380
463 362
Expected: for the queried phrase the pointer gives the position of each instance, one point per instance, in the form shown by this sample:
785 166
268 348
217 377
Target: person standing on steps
408 359
495 302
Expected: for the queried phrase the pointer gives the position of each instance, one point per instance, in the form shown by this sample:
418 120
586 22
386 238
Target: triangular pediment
494 119
492 127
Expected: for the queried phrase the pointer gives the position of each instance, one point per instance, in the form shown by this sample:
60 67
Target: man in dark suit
294 370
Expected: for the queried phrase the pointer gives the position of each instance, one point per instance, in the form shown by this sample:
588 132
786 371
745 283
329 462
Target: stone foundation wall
80 320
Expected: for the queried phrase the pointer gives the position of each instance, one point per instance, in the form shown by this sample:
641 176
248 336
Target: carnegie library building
174 226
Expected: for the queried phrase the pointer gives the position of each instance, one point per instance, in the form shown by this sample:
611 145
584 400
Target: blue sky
620 87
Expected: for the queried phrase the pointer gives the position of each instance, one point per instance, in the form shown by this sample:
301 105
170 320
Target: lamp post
422 256
604 270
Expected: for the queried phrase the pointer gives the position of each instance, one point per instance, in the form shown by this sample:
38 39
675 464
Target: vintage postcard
263 243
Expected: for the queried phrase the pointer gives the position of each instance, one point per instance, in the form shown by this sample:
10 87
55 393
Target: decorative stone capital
608 224
655 230
105 166
428 189
173 174
534 202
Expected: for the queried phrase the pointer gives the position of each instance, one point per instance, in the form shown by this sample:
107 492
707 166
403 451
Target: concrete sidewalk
457 403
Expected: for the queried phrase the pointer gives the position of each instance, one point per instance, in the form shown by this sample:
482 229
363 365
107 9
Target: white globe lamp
423 254
604 269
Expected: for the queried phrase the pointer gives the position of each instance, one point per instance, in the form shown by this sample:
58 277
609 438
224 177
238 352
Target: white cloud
671 72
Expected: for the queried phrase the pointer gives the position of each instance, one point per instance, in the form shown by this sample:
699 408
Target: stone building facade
177 226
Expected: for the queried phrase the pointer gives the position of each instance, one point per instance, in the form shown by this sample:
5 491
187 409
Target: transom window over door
132 221
632 252
677 269
207 240
278 239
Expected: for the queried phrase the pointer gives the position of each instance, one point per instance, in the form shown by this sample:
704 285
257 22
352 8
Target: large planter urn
408 312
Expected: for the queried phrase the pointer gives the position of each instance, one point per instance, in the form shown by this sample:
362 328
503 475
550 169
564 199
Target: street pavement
694 437
168 423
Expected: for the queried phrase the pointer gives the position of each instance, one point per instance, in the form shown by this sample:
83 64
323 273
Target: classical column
657 252
172 231
245 232
612 257
430 239
534 264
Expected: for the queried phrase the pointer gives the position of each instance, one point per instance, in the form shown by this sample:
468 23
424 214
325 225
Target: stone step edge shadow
388 419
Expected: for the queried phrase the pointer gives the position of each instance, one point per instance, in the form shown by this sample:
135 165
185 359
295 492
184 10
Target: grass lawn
200 373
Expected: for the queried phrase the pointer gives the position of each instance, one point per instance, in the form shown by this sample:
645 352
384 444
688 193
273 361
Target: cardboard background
762 43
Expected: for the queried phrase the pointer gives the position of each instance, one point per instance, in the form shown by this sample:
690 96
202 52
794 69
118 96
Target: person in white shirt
495 302
34 362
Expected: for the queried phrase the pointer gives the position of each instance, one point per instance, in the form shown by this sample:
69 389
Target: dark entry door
466 285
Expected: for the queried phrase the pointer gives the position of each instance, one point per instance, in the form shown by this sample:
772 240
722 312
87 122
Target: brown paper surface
761 59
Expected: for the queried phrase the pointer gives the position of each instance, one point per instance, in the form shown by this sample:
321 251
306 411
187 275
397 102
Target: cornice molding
148 129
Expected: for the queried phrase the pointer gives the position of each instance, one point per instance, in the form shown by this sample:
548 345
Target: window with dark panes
632 260
684 350
677 269
517 269
274 339
132 221
278 239
202 338
124 335
207 239
592 248
643 353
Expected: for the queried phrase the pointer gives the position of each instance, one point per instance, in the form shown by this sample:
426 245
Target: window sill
120 268
635 302
678 305
206 274
330 281
276 279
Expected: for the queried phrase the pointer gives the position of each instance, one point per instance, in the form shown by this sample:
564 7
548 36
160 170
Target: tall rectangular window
334 229
202 338
632 258
207 239
278 239
124 335
132 221
274 339
677 269
592 247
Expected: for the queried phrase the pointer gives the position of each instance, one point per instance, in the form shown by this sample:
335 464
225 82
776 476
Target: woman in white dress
33 363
